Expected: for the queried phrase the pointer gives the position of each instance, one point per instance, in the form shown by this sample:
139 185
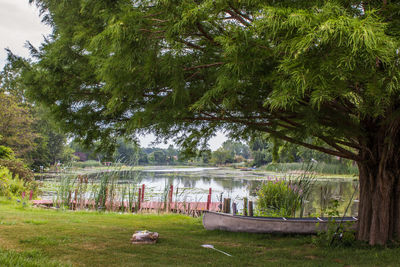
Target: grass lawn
37 237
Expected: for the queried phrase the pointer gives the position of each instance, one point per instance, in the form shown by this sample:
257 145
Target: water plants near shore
320 168
284 197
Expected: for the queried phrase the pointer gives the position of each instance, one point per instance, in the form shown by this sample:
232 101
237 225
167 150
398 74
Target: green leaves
291 69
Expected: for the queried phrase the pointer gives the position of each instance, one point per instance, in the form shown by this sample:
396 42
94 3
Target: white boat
237 223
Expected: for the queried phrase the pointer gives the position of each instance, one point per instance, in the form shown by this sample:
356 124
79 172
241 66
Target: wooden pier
177 207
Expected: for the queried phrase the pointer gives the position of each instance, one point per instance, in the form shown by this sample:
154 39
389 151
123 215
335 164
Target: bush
277 198
5 178
6 153
336 234
283 198
17 168
11 185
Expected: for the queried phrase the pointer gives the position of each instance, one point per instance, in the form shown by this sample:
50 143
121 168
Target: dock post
224 206
143 186
227 205
139 199
251 213
245 206
234 208
209 198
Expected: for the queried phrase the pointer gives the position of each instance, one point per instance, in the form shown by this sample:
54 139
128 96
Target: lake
192 184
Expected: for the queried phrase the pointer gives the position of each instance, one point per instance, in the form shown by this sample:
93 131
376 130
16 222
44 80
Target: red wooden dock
148 205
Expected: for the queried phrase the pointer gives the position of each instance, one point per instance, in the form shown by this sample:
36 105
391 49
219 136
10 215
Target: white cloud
19 22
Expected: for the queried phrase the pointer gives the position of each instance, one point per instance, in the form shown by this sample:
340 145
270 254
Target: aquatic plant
284 197
64 191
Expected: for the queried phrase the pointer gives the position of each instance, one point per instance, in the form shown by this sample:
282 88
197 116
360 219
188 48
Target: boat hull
235 223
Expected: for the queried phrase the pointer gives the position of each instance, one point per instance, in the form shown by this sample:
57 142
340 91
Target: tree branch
204 66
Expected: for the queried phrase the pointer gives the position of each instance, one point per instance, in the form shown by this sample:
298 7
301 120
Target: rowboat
237 223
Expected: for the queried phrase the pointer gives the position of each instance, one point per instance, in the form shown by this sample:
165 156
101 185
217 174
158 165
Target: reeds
285 197
322 167
119 190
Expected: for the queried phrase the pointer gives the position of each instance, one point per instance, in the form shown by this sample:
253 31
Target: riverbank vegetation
32 236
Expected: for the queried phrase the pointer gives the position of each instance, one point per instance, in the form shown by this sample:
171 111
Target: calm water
192 184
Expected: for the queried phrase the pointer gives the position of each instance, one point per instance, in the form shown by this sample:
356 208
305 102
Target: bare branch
238 18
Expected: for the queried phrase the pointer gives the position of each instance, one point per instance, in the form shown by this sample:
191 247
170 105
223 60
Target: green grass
38 237
31 258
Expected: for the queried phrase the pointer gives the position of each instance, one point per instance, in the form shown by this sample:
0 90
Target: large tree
321 74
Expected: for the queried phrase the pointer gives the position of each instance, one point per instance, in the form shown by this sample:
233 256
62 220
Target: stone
144 237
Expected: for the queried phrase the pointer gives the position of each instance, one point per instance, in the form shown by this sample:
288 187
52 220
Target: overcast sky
20 22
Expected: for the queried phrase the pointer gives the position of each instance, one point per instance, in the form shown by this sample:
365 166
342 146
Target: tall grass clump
286 197
64 191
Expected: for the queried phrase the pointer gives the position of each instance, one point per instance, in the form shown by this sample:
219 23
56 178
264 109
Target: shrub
11 185
277 198
284 197
5 178
17 168
336 234
6 153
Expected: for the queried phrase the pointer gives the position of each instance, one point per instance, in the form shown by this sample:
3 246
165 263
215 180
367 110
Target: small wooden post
143 186
139 198
234 208
208 202
251 213
245 206
227 205
176 202
220 206
224 206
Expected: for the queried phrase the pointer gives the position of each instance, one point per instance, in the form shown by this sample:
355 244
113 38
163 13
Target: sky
20 22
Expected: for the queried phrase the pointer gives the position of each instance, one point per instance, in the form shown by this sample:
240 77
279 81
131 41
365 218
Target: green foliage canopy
185 69
321 74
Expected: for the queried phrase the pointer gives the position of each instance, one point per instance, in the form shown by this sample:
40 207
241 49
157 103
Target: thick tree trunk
379 208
